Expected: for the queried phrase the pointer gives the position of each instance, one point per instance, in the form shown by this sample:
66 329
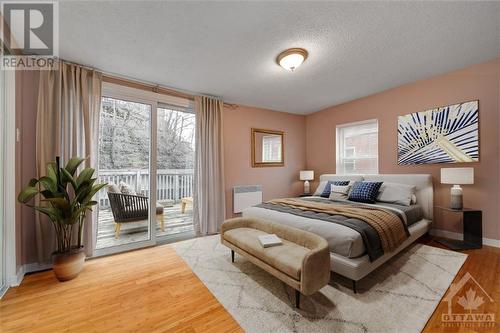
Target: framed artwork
448 134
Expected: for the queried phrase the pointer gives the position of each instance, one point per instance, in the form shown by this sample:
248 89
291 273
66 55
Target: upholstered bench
302 261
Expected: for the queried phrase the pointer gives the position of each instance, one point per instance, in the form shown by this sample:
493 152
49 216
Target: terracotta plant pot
68 266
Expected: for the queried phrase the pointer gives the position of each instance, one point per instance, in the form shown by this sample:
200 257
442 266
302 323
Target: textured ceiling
229 48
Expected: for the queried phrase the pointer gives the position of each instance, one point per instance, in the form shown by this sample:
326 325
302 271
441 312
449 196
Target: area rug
400 296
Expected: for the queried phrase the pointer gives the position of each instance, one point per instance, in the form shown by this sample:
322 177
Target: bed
348 246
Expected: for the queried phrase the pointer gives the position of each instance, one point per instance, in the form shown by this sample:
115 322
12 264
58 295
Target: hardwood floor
149 290
153 290
484 266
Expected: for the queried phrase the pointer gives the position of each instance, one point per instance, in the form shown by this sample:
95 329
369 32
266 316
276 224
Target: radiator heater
245 196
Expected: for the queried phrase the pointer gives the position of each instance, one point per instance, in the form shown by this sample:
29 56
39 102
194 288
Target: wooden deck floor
175 223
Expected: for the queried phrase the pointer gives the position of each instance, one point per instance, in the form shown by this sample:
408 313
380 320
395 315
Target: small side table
472 226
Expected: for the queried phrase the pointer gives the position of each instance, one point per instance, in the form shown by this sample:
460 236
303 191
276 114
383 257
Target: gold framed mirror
268 148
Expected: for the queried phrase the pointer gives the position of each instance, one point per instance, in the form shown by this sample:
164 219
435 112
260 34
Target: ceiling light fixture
292 58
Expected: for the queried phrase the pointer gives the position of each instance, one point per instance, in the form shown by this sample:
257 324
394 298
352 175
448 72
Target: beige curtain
67 125
209 192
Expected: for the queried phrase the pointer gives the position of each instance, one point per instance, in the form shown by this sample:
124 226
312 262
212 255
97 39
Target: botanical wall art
448 134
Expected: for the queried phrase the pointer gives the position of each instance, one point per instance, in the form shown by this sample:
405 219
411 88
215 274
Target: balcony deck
175 223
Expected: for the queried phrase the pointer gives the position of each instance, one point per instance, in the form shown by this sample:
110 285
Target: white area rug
400 296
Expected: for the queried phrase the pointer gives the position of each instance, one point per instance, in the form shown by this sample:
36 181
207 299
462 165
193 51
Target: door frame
12 274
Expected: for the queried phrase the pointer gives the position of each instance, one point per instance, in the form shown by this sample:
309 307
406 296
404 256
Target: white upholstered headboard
423 182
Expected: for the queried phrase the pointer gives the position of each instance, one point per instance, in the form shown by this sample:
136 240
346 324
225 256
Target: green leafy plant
66 198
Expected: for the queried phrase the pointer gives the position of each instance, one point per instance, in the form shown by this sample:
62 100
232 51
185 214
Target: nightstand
472 229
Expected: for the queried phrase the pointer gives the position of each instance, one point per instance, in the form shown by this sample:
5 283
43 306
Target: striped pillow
366 192
328 187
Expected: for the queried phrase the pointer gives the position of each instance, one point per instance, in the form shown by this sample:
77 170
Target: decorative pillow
365 191
127 189
339 192
322 184
113 188
320 188
328 187
400 194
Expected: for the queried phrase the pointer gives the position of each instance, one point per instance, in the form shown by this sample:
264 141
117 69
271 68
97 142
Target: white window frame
340 149
270 138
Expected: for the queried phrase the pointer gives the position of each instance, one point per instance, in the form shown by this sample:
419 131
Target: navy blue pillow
328 187
366 192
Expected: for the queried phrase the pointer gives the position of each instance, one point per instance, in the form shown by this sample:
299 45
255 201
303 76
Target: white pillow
400 194
322 184
113 188
413 199
339 192
126 188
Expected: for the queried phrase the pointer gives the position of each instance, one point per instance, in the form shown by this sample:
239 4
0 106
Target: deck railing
172 184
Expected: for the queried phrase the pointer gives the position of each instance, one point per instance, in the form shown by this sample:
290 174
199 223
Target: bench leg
297 299
354 287
232 256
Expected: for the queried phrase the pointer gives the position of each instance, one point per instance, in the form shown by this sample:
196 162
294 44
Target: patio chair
128 208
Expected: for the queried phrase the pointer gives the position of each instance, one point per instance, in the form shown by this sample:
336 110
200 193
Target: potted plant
65 199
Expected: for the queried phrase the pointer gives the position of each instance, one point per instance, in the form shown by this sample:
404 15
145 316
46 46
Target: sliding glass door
146 155
175 167
124 216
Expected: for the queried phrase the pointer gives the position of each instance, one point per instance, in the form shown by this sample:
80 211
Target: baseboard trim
15 280
459 236
3 291
36 267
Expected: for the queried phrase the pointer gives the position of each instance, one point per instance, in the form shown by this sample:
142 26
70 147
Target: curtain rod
141 84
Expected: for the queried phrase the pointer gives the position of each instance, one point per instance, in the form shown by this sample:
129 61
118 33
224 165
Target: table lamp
306 175
457 177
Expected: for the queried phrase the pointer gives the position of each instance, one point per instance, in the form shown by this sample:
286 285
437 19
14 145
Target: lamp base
306 187
456 198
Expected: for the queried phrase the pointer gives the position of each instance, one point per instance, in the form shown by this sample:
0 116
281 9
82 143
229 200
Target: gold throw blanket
388 225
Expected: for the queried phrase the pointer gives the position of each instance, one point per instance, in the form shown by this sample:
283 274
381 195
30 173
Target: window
271 148
357 148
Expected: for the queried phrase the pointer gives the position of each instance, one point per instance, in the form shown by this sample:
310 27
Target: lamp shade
306 175
457 176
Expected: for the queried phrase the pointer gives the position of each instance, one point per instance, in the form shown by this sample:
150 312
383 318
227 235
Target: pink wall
479 82
276 181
